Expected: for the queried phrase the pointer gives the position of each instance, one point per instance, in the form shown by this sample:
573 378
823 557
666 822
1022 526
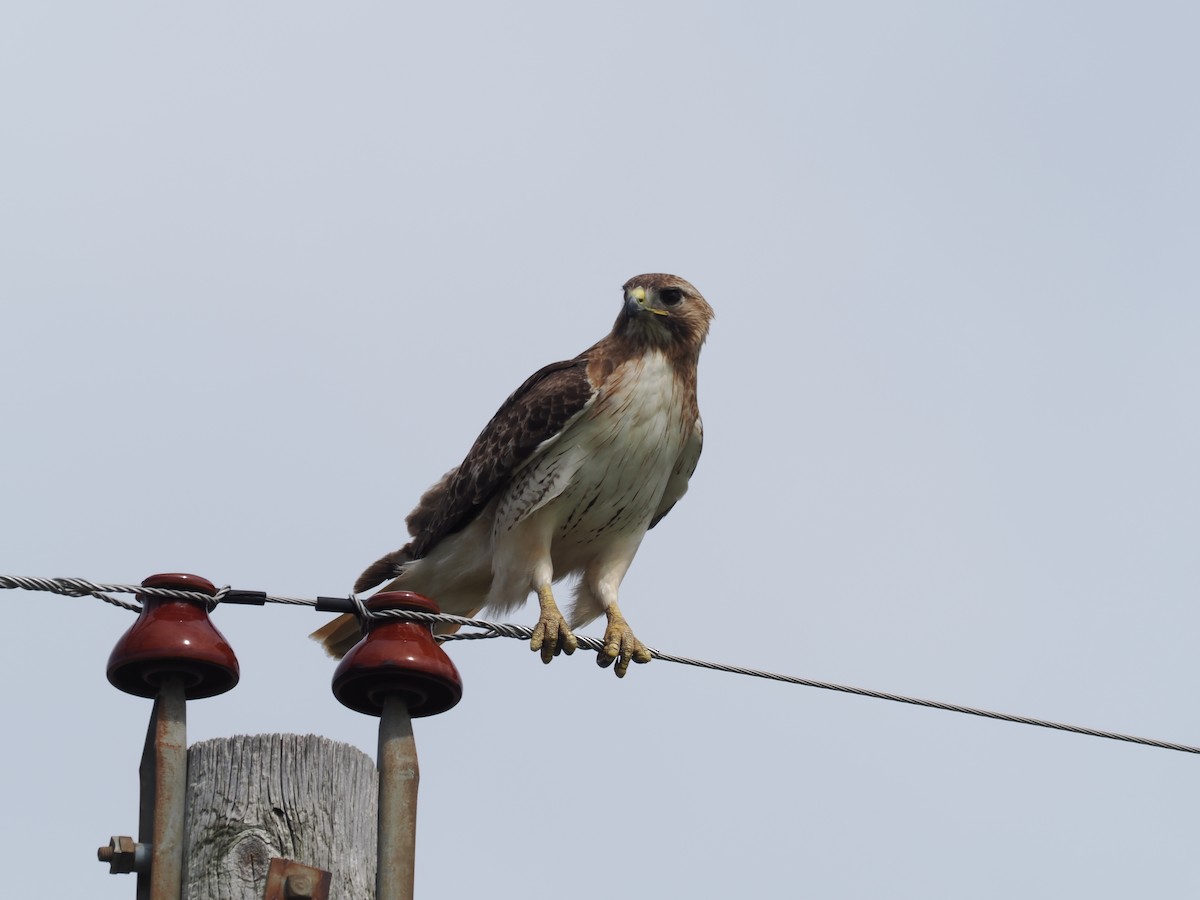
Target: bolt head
299 886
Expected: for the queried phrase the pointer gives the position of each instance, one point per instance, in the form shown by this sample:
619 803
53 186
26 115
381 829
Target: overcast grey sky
266 269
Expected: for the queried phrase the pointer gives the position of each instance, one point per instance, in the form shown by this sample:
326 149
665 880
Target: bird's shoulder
535 413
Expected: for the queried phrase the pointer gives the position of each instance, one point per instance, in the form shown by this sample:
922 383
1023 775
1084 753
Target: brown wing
536 412
685 467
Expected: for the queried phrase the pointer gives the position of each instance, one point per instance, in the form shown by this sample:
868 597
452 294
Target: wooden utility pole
253 798
275 817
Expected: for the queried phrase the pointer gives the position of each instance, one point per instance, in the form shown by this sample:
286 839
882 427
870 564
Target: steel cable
79 587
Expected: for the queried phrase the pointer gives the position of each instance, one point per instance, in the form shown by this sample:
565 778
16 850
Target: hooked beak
636 302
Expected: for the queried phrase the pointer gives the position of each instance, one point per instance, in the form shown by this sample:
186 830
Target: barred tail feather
339 635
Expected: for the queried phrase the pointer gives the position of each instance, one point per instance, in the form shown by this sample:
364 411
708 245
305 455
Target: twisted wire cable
79 587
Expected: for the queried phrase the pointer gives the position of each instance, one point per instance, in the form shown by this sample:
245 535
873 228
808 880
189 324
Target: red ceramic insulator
398 657
174 637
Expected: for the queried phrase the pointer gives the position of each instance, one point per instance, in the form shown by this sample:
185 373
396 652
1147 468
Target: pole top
398 657
174 637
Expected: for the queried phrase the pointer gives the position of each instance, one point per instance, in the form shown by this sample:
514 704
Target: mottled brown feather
534 413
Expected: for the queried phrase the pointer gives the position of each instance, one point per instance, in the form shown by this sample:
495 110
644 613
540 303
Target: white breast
606 476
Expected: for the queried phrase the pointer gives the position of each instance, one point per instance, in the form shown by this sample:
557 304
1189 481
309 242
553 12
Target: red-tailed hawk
567 477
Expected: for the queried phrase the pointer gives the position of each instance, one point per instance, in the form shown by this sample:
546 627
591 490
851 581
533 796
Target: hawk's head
664 311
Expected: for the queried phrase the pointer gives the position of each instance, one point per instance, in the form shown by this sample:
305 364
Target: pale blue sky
266 270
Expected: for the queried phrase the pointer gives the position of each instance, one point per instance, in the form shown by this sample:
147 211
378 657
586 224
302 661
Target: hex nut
119 854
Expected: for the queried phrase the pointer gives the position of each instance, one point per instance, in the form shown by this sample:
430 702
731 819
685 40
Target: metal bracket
163 776
157 855
290 880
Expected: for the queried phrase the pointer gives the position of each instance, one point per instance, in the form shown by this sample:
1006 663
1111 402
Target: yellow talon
621 645
552 635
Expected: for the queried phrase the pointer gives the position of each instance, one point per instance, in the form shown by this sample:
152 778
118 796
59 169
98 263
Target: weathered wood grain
302 797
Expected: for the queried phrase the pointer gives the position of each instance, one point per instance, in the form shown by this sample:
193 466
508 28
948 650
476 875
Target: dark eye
670 296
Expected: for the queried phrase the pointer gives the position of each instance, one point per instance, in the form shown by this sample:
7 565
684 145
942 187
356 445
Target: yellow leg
551 635
620 644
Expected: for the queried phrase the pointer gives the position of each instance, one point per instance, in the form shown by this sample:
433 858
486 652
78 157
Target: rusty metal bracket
290 880
399 774
163 775
157 855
